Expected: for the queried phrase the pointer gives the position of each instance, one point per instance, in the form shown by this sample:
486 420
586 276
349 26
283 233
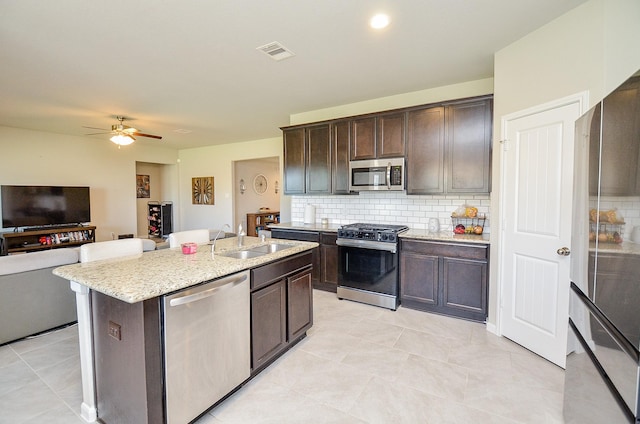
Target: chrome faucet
213 244
241 235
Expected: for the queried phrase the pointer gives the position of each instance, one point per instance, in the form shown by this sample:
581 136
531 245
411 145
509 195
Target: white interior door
537 182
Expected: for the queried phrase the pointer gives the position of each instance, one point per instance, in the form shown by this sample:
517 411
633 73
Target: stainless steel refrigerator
602 373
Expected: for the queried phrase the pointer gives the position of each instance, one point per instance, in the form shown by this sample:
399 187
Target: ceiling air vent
275 50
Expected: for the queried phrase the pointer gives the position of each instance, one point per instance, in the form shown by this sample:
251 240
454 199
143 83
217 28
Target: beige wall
591 48
449 92
159 182
39 158
250 201
217 161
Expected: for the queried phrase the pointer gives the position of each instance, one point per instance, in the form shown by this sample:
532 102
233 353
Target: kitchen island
122 317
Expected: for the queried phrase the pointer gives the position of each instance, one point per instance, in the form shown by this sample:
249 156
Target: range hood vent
276 51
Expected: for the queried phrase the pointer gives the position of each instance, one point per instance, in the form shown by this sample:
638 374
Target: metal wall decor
202 191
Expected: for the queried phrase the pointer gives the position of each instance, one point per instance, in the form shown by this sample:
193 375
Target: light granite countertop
416 234
158 272
446 236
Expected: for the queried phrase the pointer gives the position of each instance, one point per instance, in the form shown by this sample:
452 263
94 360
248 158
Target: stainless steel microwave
378 174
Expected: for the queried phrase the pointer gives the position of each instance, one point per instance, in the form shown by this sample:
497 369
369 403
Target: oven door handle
368 244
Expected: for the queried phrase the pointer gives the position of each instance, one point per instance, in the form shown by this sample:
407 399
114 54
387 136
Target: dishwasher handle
189 298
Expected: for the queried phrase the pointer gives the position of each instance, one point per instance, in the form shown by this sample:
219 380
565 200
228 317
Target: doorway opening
257 186
153 184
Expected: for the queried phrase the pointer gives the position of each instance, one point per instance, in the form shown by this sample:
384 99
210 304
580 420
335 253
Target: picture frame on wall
143 186
202 191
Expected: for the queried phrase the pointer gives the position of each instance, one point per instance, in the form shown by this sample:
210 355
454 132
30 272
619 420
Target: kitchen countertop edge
156 273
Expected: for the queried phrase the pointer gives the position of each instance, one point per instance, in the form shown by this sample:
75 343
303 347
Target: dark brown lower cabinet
268 322
325 257
281 307
446 278
299 304
329 256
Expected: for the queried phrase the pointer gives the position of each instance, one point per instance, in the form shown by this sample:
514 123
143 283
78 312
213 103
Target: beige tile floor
358 364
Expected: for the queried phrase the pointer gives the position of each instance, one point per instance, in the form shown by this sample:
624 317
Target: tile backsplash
389 208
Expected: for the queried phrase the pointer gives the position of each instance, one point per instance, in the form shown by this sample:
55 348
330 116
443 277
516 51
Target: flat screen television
37 206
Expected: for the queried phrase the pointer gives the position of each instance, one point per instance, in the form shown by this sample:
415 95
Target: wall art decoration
143 189
202 192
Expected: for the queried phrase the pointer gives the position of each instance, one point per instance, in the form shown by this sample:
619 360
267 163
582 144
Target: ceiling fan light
122 140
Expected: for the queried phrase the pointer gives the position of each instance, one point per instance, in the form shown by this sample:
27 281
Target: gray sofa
32 299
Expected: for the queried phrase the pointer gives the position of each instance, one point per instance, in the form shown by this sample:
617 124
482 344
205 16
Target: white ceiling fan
123 135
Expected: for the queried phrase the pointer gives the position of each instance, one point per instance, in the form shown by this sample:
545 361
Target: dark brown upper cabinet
340 159
294 161
318 145
468 141
308 160
380 136
425 151
449 148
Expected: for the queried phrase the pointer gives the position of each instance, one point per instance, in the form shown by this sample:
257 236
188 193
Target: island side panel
128 360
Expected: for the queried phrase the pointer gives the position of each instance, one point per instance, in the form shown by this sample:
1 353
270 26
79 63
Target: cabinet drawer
263 275
454 250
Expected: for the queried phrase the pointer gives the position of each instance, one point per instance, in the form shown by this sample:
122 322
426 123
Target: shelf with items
47 238
160 219
260 221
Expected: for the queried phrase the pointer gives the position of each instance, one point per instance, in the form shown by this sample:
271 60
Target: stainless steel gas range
368 265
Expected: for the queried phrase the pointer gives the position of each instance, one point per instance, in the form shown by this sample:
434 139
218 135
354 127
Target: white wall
217 161
39 158
592 48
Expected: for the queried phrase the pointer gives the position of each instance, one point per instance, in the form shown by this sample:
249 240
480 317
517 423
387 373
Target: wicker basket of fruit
467 220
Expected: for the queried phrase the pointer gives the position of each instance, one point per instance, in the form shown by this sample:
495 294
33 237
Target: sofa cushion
14 264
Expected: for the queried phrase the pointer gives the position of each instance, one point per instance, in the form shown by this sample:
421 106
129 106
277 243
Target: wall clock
260 184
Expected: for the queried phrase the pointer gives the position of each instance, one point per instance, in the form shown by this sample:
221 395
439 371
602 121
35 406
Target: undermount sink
255 252
270 248
242 254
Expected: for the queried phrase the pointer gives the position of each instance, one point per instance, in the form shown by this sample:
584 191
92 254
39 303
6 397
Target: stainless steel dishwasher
207 345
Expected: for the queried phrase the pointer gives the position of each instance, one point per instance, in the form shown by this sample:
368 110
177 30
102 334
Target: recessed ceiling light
379 21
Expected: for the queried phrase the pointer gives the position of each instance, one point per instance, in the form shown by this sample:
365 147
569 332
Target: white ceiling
193 64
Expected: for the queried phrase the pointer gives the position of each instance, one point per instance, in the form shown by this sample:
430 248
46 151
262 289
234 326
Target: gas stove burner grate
375 227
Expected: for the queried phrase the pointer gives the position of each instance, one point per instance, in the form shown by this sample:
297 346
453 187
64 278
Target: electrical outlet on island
115 330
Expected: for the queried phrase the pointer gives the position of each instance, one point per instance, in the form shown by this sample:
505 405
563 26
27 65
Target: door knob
563 251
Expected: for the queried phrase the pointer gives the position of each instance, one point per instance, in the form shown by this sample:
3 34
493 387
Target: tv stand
51 237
